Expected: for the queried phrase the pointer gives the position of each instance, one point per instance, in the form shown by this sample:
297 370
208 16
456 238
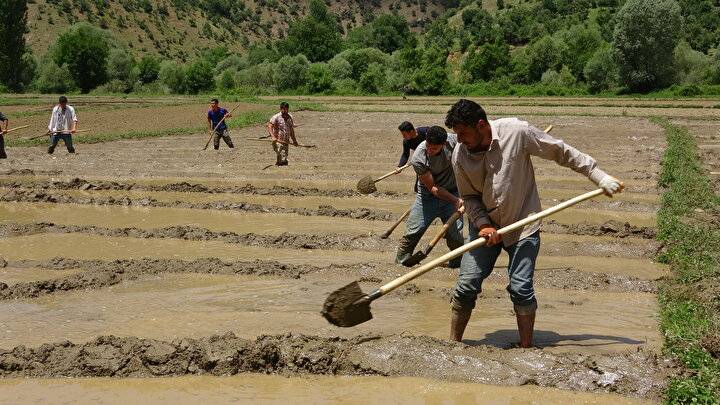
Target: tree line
547 47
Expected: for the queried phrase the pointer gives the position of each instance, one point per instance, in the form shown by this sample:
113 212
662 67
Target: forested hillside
552 47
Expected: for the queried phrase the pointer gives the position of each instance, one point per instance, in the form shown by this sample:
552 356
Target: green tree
84 49
199 77
148 69
645 34
13 26
388 32
580 42
360 59
488 62
317 36
432 78
691 66
319 78
601 71
339 67
290 72
480 24
226 80
544 54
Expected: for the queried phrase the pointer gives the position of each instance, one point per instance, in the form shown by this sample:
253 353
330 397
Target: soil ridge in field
638 374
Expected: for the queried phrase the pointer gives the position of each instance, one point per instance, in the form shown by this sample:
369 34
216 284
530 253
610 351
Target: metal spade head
342 308
366 185
417 257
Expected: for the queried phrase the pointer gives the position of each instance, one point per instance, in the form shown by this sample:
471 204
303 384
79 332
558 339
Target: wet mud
323 210
284 240
609 228
638 374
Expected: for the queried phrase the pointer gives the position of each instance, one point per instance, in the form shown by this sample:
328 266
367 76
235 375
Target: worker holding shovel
63 124
437 194
412 137
281 129
496 180
217 117
6 122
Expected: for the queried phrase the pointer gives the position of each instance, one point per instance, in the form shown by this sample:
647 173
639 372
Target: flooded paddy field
150 270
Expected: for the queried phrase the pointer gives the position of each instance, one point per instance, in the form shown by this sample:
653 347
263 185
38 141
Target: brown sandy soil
157 239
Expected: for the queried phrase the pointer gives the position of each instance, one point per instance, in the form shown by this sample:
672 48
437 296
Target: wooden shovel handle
445 227
396 171
481 241
14 129
395 225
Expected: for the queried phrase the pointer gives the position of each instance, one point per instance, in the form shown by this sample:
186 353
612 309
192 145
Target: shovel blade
366 185
341 307
417 257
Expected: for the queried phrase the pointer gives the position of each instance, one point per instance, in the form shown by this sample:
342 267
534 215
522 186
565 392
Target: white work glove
611 185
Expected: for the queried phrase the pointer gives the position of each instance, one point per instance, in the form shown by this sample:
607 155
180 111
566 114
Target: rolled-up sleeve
474 207
540 144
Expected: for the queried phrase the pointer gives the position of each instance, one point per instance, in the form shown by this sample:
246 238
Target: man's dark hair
63 99
465 112
284 105
406 126
436 135
214 100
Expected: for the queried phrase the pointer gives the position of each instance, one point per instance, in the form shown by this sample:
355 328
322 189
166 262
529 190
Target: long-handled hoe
48 133
14 129
350 306
366 185
218 124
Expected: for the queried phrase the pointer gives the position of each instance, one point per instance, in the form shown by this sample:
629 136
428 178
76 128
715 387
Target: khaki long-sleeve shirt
498 185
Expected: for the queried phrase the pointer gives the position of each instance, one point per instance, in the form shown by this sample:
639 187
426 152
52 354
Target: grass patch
689 225
241 120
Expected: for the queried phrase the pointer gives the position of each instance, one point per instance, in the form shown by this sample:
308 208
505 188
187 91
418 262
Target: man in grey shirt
436 196
496 181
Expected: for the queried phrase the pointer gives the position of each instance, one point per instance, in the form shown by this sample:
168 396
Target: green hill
180 29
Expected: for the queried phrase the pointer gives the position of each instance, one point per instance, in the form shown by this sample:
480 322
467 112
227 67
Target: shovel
421 254
284 143
350 306
13 129
395 225
366 185
50 133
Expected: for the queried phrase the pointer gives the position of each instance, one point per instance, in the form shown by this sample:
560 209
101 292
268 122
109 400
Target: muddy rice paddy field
207 270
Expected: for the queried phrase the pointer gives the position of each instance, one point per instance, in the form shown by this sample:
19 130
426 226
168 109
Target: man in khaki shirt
496 181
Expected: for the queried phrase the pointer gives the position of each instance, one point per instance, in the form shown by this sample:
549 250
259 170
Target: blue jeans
67 139
478 263
423 213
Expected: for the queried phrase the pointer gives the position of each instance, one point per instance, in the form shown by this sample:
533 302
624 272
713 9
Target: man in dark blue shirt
214 116
412 137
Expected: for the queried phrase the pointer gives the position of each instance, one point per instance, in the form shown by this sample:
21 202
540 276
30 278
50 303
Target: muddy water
169 306
147 218
84 247
265 389
14 275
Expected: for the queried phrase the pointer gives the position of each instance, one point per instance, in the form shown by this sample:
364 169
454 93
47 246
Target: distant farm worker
496 180
217 117
436 196
63 124
281 129
412 137
3 122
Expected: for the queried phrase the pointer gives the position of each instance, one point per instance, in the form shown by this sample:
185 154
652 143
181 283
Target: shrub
148 69
339 67
259 76
54 78
373 79
226 79
360 59
691 66
487 62
172 76
120 65
601 71
290 72
199 77
319 78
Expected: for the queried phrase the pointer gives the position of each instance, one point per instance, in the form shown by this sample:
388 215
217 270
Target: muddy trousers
67 139
422 214
225 135
281 150
478 263
3 155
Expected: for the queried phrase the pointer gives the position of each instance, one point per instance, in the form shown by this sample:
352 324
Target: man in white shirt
281 129
63 123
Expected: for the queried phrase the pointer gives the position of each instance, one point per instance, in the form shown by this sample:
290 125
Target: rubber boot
51 149
458 322
526 324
